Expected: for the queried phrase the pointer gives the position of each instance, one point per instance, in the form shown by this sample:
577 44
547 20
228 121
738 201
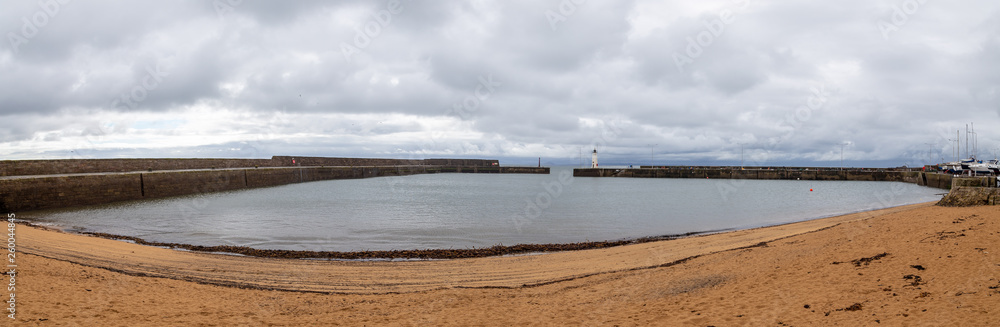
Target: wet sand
910 265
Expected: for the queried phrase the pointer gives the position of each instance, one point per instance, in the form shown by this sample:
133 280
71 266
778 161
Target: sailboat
953 167
994 165
980 168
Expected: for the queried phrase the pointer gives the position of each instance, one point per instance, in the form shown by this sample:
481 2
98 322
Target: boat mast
975 142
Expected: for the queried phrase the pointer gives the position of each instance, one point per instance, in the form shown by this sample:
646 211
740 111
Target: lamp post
954 148
929 160
842 154
651 154
741 155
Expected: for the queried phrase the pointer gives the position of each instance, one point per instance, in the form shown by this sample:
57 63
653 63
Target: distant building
593 159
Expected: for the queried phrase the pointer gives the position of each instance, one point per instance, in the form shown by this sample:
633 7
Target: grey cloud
273 79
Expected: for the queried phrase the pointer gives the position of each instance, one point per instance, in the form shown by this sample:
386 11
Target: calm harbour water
477 210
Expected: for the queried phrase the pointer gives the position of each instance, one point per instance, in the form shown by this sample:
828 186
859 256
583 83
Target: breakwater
41 184
972 191
916 176
80 166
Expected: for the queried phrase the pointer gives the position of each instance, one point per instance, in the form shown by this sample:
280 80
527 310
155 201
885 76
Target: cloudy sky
694 81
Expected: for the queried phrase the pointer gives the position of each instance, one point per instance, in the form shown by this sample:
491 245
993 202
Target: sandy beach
911 265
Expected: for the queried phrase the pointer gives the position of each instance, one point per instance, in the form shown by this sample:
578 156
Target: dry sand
940 268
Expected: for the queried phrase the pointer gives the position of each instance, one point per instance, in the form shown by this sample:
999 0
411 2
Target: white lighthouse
593 159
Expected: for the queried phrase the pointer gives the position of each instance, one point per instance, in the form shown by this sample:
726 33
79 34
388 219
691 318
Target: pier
48 184
907 175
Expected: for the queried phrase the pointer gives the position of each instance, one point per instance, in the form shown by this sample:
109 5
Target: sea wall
288 161
935 180
964 191
782 173
783 168
24 193
492 170
80 166
972 191
965 196
980 181
164 184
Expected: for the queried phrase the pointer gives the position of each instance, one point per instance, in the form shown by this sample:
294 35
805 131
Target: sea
459 211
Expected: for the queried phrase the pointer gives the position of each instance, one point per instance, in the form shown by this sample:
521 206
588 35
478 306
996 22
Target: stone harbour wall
933 179
49 192
81 166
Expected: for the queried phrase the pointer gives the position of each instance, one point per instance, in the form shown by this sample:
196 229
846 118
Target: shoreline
388 255
913 265
416 254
